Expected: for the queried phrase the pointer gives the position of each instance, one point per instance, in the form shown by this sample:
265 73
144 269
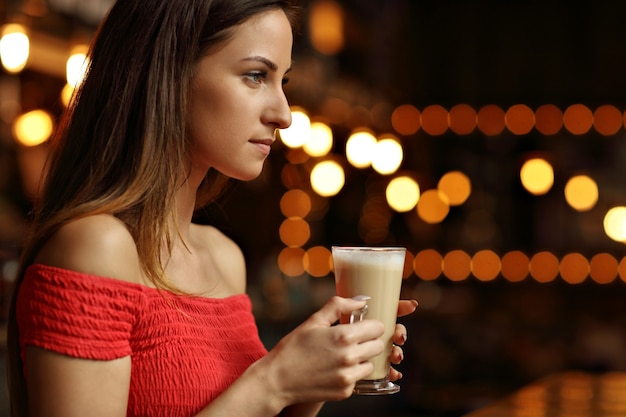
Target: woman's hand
320 361
405 307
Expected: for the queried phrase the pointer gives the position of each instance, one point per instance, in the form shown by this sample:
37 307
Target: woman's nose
279 113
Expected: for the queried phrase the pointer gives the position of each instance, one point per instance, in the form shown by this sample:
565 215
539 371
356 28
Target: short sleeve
76 314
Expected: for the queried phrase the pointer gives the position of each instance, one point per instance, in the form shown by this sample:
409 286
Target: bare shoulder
224 254
99 245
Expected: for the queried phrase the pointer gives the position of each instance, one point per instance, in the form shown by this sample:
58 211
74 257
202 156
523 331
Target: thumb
337 307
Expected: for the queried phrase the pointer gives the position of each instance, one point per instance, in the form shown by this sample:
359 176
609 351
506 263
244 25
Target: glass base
376 387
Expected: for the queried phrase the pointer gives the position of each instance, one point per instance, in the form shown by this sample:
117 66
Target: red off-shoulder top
185 350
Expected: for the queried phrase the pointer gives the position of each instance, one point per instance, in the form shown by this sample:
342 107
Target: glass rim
369 248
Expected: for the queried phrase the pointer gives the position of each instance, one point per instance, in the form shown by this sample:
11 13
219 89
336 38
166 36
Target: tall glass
376 273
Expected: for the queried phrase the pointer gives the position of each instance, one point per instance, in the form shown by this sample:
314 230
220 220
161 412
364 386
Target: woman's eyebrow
270 64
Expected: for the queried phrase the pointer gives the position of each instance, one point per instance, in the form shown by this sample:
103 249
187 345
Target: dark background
470 342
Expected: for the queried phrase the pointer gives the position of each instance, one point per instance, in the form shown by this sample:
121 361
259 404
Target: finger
397 355
394 374
399 335
335 307
359 332
406 307
365 351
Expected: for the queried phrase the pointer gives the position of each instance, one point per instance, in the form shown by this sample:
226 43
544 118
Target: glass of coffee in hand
375 274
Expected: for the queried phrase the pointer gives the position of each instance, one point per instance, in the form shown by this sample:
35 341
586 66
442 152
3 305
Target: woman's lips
264 145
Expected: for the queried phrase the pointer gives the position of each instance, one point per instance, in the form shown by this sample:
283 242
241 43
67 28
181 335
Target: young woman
123 306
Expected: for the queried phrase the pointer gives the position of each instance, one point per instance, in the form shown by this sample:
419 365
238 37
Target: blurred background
486 137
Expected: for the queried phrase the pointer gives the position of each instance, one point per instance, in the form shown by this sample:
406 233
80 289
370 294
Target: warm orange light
537 176
519 119
405 119
491 120
457 265
433 206
603 268
462 119
515 266
435 120
544 267
402 193
574 268
326 27
607 120
290 261
428 264
456 186
578 119
485 265
294 232
581 192
295 203
548 119
33 128
317 261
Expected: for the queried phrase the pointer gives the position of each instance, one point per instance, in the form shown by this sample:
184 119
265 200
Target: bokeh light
435 120
77 65
433 206
457 265
428 264
574 268
485 265
544 266
320 140
607 120
360 148
578 119
519 119
456 186
491 120
294 232
33 128
402 193
299 132
581 193
387 156
603 268
537 176
405 119
615 223
327 178
548 119
326 27
515 266
290 261
14 47
295 203
462 119
317 261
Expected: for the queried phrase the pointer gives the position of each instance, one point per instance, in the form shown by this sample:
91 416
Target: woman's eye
257 77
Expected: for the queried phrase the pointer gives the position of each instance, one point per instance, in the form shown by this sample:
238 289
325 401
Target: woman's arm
61 386
316 362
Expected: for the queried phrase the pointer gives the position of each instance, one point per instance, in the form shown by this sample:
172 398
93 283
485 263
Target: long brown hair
121 147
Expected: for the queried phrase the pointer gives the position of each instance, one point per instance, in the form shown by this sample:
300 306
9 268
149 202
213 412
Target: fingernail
415 303
404 337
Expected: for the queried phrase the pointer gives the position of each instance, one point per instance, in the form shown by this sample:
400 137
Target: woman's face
237 99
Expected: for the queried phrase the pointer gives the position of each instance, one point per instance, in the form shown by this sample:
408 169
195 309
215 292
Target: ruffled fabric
184 350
